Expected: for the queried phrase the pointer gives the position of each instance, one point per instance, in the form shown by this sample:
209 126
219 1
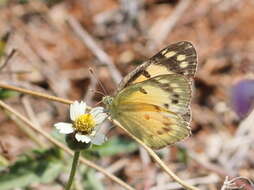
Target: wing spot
166 123
176 95
146 74
167 87
181 57
175 101
147 117
184 64
166 129
142 90
166 105
157 108
160 132
169 54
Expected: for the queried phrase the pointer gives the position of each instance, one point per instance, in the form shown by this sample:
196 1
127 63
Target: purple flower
242 97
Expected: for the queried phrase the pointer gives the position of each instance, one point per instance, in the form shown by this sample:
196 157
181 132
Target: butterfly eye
107 100
110 100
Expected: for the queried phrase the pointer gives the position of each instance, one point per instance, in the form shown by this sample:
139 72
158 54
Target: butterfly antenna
98 103
97 92
98 81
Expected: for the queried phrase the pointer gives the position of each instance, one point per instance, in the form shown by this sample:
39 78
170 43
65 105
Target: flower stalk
73 169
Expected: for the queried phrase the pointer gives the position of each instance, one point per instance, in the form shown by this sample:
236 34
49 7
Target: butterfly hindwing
156 128
153 110
178 58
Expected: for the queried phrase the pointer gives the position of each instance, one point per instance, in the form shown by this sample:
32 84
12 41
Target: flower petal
97 110
100 118
72 110
64 128
82 138
77 109
99 139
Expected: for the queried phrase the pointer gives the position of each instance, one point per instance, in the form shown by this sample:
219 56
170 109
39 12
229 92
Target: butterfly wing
178 58
152 102
155 110
156 128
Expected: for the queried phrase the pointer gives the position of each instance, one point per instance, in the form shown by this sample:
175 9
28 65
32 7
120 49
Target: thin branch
62 146
92 45
38 94
210 179
6 61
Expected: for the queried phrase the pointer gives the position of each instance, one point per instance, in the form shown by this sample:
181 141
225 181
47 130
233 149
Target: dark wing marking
179 58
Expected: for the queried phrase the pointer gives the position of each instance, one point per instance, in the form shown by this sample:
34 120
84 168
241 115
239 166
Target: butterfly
153 101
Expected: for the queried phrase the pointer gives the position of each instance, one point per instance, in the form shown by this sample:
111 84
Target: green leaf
182 155
2 46
39 167
4 94
116 145
51 3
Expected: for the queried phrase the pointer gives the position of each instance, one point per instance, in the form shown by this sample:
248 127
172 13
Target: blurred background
57 41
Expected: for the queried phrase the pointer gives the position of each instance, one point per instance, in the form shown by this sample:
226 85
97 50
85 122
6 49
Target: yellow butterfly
153 101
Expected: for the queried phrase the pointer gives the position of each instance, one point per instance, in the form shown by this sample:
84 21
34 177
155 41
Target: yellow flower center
85 123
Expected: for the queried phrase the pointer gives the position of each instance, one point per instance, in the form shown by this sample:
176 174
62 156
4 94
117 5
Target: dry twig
210 179
6 61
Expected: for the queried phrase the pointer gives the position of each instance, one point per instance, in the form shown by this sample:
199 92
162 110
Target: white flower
84 125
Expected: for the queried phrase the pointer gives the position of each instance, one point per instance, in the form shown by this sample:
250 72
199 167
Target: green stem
73 170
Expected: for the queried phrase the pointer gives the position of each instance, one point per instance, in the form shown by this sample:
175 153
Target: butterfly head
108 101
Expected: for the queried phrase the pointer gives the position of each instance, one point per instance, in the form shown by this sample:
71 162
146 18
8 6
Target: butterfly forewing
179 58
